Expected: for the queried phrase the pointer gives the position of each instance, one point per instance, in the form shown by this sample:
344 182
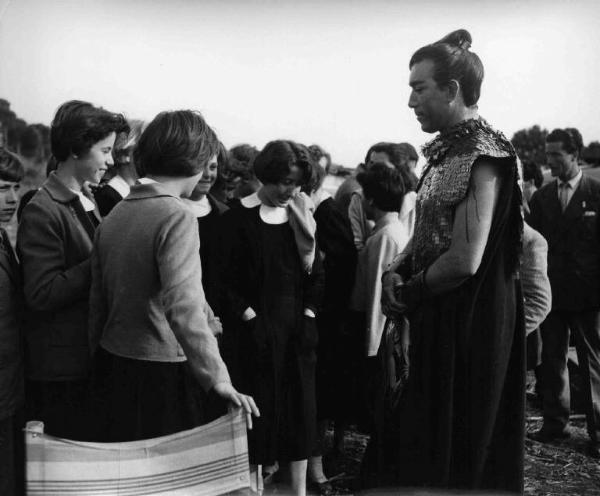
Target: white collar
251 201
200 208
88 205
574 182
119 185
270 215
146 180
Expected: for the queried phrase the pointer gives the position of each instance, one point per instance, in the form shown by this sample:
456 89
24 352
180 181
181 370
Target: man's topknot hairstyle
453 60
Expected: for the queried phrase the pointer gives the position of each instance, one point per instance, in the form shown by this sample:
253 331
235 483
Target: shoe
545 436
592 449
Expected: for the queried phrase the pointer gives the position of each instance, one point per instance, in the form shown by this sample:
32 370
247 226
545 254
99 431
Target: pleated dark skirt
139 399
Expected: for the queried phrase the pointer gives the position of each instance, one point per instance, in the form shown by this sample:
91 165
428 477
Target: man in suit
567 212
11 351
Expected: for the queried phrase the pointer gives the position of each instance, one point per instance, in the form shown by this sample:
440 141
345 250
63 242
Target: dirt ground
556 469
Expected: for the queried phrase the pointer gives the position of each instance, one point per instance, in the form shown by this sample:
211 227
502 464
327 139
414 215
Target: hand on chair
226 391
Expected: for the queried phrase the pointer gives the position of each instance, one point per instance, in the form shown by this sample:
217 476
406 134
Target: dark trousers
555 346
12 455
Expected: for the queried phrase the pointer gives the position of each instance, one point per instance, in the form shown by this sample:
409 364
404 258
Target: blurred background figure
532 179
123 175
395 156
321 157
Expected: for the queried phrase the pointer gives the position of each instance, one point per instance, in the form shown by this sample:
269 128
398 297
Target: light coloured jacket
147 300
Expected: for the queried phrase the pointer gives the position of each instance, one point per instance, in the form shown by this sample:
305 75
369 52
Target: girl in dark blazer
54 243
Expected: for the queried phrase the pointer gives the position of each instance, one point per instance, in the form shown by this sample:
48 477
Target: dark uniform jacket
54 243
573 238
11 352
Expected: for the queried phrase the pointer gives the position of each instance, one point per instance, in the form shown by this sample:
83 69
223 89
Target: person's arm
357 218
183 297
537 294
472 223
47 283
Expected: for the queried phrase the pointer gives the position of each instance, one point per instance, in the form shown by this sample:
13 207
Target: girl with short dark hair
273 282
54 243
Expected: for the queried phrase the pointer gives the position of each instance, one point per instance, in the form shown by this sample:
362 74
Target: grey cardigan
146 299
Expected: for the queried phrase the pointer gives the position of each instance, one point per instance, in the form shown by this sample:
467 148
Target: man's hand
390 305
226 391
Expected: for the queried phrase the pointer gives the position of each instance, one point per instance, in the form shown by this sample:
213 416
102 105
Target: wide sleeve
537 293
180 275
48 284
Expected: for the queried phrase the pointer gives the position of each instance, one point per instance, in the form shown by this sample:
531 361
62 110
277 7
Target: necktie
563 195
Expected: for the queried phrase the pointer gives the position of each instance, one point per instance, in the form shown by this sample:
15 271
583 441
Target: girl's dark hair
533 172
570 138
11 167
78 125
177 144
452 60
277 158
384 186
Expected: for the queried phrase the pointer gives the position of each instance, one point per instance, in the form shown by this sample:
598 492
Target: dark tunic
335 367
461 422
209 228
272 357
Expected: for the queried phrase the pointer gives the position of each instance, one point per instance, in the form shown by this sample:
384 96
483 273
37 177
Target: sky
328 72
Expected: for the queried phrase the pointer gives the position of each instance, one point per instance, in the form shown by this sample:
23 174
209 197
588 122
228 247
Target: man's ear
452 90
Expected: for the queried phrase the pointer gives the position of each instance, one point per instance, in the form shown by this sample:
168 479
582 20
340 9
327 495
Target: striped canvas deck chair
208 460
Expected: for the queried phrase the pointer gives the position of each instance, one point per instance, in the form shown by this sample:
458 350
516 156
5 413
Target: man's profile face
562 163
429 101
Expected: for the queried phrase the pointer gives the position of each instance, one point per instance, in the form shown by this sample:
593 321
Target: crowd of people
159 278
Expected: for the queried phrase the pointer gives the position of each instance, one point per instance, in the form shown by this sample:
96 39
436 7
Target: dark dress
209 228
461 421
336 369
272 357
